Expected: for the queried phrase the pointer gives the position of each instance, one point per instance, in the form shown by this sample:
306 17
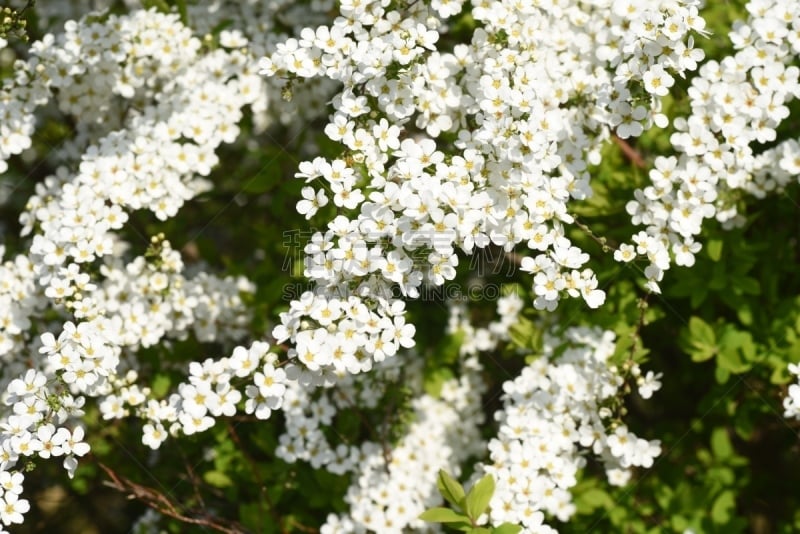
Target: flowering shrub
303 266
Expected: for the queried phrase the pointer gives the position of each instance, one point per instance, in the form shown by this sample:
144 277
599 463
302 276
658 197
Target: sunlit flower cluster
453 143
556 409
484 146
390 490
150 108
736 104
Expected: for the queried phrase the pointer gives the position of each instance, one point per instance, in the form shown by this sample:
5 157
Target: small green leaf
721 375
160 386
780 373
722 507
479 496
525 334
450 347
701 331
699 341
592 499
450 489
181 5
736 351
721 443
159 5
442 515
217 479
714 249
748 285
434 381
507 528
698 297
745 314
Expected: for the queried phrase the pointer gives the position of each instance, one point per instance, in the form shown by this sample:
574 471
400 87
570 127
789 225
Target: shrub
400 266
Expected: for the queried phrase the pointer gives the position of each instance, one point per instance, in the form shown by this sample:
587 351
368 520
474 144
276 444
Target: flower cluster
478 339
558 406
214 389
34 429
390 491
736 103
20 299
458 151
150 108
459 133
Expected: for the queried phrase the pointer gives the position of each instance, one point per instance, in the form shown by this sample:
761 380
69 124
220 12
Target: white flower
12 508
657 81
153 435
649 384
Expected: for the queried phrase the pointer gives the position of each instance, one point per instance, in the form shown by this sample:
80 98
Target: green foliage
467 508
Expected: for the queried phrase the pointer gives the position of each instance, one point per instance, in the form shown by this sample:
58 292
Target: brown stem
166 506
631 153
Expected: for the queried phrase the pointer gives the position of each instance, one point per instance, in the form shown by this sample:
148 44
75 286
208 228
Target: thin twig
602 241
164 505
631 153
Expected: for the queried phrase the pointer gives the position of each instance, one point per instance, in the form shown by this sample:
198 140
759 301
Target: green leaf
507 528
748 285
714 249
159 5
592 499
161 384
449 350
442 515
217 479
698 297
450 489
721 375
699 340
721 443
701 332
522 333
745 314
723 507
719 277
479 496
780 371
181 5
736 350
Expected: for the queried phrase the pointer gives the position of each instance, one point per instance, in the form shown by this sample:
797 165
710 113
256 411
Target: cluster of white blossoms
390 497
20 299
390 490
556 409
737 103
150 106
484 146
448 149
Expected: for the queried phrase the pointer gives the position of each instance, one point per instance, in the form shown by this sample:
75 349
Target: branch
602 241
631 153
164 505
